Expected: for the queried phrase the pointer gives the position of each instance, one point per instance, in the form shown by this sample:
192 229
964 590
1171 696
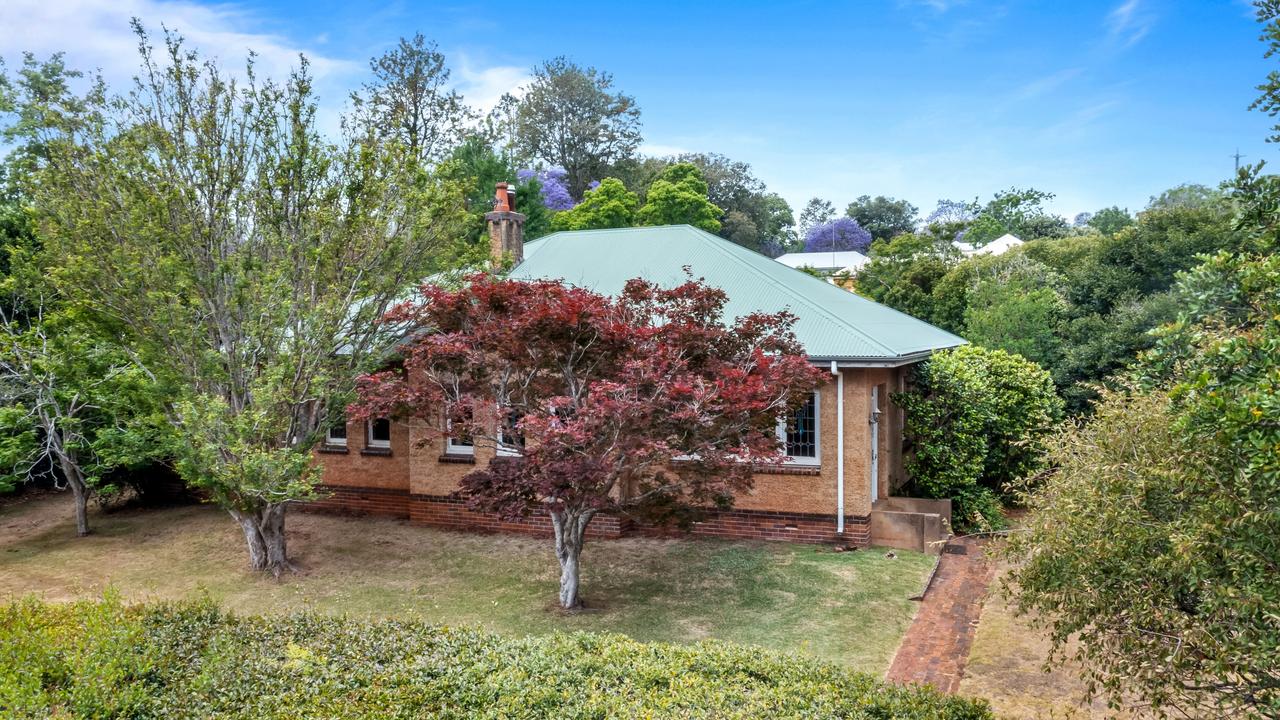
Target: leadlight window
799 433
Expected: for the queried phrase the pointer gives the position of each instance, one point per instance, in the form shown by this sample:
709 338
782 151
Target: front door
875 443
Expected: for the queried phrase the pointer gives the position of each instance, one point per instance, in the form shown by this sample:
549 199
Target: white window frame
370 442
817 436
330 440
505 450
453 447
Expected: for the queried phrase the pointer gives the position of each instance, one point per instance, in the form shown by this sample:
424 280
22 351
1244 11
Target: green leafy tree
73 407
1013 303
1144 259
611 205
882 216
571 117
1110 221
1155 543
903 272
976 423
1188 196
245 261
679 196
411 101
69 398
815 212
1020 212
753 217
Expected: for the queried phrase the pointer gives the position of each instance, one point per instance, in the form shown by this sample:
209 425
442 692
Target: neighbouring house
999 246
830 264
845 444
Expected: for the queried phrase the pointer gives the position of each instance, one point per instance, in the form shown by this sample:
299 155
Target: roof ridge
714 241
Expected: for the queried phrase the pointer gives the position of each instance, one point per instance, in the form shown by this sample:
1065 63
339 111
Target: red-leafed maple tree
648 405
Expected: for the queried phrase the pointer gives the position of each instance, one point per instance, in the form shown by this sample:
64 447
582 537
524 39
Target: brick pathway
936 646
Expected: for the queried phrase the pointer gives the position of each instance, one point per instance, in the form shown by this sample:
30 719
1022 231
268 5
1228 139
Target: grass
850 608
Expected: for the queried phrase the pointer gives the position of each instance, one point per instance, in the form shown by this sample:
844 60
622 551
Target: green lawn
850 608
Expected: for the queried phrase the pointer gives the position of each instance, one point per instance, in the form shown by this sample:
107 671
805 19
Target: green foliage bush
976 421
1155 544
103 659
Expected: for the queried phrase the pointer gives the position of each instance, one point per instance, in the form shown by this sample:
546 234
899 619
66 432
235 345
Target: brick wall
774 525
451 513
358 466
341 500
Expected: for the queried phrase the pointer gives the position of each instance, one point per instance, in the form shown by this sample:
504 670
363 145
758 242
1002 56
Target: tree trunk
80 492
264 534
71 471
570 527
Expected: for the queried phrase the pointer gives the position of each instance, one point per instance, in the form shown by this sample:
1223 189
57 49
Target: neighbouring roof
850 260
833 324
995 247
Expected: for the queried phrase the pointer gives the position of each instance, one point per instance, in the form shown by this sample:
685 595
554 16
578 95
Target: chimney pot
502 199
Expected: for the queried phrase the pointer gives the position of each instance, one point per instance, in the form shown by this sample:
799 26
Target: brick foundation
360 501
444 511
788 526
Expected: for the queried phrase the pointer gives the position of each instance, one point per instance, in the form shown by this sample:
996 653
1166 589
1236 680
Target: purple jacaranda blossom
555 192
593 184
951 211
840 234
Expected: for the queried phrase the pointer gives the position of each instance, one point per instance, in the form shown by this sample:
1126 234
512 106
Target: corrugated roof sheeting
832 322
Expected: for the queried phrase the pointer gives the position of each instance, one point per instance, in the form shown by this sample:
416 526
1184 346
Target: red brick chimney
506 227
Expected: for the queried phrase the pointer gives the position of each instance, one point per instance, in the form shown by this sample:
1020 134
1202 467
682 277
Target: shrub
976 420
192 660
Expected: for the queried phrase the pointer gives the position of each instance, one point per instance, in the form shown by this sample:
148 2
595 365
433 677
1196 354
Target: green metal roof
833 324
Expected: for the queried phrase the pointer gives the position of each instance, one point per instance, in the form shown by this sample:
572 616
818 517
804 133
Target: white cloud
1129 22
484 87
95 34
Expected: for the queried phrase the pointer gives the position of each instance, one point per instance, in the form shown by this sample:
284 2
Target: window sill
333 449
376 451
808 470
458 459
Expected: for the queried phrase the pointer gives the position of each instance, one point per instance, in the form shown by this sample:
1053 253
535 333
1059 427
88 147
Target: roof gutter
872 362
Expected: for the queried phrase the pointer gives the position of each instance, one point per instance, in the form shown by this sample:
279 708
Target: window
510 439
799 434
379 433
464 445
336 436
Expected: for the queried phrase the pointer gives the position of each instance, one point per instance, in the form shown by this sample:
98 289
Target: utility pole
1237 156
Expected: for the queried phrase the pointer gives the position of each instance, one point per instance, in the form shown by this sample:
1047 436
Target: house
845 444
828 263
999 246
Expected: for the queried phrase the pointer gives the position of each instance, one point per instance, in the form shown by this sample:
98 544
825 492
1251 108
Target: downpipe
835 370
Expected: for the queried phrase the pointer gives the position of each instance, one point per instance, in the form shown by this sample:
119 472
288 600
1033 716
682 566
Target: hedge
103 659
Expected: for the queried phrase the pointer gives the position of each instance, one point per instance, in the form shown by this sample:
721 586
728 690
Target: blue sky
1100 102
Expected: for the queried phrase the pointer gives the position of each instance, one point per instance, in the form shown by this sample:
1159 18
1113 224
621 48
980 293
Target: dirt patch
1006 665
